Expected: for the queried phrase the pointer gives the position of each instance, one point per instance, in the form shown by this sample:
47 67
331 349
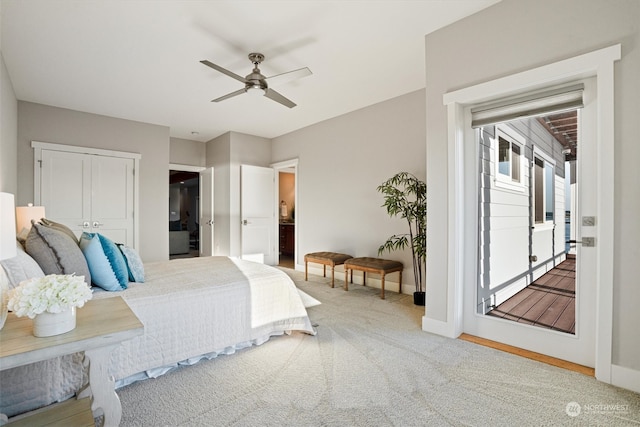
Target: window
509 157
543 197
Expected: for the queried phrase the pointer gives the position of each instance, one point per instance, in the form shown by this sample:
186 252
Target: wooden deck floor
549 302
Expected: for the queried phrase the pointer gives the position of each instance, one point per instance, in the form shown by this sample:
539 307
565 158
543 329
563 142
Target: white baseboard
625 377
438 327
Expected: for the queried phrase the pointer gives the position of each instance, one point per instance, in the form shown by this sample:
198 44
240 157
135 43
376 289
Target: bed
191 309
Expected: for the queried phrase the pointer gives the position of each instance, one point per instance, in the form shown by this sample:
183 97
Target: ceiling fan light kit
256 84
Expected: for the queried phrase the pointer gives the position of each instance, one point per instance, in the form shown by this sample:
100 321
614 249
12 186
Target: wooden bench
325 258
372 265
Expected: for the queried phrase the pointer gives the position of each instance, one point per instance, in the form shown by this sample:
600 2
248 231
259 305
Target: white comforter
198 306
194 308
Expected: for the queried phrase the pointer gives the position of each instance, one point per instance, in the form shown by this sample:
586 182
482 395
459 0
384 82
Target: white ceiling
139 60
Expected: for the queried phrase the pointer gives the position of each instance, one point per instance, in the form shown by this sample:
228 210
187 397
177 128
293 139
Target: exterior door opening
527 210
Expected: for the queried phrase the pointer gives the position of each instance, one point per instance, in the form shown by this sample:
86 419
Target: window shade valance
533 104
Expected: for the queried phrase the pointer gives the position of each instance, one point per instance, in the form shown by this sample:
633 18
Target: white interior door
112 198
257 213
206 212
65 190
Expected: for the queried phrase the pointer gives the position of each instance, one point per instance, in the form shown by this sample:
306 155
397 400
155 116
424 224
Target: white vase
4 300
48 324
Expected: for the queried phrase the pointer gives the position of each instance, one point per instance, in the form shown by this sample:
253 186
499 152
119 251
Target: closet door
89 192
112 198
65 188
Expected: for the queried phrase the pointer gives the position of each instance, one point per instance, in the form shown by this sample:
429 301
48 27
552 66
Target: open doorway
184 208
527 211
286 214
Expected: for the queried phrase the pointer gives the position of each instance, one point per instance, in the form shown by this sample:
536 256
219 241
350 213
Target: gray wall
187 152
513 36
8 133
226 154
43 123
341 163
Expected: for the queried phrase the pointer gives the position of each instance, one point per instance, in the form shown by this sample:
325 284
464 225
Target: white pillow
21 267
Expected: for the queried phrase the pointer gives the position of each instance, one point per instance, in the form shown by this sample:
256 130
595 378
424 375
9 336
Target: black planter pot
418 298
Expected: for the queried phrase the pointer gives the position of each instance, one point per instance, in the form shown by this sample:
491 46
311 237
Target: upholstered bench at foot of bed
372 265
325 258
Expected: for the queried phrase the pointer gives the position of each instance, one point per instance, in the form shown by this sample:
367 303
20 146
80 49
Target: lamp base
4 299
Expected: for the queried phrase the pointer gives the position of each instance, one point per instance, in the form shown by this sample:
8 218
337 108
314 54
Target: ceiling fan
256 82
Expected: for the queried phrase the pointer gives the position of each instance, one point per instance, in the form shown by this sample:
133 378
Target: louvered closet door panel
66 188
112 198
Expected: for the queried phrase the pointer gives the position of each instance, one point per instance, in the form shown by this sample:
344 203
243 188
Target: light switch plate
588 242
589 221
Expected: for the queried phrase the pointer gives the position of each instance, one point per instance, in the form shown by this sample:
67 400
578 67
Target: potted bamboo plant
406 196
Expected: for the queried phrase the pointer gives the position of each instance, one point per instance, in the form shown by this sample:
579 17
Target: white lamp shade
7 226
24 215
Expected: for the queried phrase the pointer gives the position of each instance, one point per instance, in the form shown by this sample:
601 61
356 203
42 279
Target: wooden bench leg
306 270
324 270
346 278
400 282
333 272
382 286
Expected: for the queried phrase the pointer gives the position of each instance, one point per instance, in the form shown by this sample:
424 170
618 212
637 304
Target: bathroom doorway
184 208
287 211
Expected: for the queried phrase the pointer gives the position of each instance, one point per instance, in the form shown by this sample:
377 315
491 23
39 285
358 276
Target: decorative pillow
102 274
56 225
134 263
20 267
116 259
56 252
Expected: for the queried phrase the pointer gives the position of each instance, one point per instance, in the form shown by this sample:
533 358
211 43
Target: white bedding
200 307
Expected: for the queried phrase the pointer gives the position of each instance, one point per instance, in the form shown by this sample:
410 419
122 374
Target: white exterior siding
508 235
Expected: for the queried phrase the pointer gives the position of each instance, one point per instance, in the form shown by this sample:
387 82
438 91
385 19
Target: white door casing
257 213
462 224
87 189
206 212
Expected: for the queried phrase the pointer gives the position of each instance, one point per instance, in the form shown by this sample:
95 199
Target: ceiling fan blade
275 96
229 95
289 76
224 71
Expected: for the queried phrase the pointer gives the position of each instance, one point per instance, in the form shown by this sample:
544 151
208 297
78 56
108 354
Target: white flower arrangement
53 293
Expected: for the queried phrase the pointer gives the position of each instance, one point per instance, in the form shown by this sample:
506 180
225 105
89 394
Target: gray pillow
51 224
21 267
56 252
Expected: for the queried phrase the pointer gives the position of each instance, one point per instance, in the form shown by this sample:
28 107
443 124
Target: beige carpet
371 365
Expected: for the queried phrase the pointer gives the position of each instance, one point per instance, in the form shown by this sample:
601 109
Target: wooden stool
325 258
372 265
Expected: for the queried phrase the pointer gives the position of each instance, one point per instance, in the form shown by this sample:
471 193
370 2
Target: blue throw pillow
102 274
134 262
117 261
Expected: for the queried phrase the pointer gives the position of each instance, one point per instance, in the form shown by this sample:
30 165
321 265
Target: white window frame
546 159
501 180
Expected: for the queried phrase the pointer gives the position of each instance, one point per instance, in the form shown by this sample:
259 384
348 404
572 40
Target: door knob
97 224
85 224
245 222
